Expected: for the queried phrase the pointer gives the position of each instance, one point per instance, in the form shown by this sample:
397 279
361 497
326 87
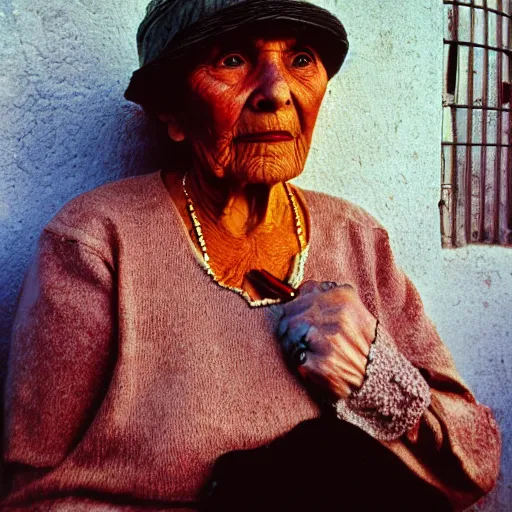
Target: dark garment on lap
323 465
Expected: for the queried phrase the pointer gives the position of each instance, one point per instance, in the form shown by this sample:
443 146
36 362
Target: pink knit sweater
131 371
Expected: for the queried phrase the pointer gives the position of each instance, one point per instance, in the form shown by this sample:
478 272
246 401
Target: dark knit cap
172 29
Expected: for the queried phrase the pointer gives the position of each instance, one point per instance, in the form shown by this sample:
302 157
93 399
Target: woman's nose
273 91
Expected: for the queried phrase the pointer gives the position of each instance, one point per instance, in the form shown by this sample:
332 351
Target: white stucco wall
66 129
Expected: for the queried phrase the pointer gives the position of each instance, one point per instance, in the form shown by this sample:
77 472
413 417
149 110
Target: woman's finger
294 344
310 287
282 326
297 331
328 285
277 310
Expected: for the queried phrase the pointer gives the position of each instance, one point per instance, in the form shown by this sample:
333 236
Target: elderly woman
146 346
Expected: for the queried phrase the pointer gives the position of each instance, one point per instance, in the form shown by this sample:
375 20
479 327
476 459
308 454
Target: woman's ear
174 128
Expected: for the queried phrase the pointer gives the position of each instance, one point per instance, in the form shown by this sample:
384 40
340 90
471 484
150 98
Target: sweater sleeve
455 443
393 396
62 351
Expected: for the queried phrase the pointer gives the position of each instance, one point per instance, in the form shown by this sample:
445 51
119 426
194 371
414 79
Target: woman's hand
326 334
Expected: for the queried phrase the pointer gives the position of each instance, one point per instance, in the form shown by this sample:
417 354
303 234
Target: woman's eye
232 61
302 60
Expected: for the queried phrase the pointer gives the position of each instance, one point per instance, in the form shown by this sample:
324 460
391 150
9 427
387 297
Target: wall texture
66 129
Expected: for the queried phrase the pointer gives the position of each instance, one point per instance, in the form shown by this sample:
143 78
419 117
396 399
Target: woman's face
251 108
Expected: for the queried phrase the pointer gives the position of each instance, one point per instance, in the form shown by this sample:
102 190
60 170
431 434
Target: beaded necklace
298 269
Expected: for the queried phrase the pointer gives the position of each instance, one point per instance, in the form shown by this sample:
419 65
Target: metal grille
476 195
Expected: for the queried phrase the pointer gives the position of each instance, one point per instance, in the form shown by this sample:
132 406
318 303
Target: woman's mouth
279 136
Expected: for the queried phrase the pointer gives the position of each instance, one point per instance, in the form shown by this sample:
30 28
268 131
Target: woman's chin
269 174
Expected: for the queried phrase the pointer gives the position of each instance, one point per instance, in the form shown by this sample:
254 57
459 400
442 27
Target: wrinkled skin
248 85
241 88
326 333
256 85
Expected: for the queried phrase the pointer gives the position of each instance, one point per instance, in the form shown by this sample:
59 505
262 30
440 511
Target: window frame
476 181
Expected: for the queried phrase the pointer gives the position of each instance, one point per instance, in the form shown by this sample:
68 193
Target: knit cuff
393 396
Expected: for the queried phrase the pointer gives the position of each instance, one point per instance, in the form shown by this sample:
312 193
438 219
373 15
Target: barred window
476 190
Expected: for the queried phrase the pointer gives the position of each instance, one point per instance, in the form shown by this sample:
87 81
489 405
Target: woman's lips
265 137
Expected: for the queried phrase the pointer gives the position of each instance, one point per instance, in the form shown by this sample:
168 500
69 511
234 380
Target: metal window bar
483 7
509 149
479 45
477 107
476 190
497 161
